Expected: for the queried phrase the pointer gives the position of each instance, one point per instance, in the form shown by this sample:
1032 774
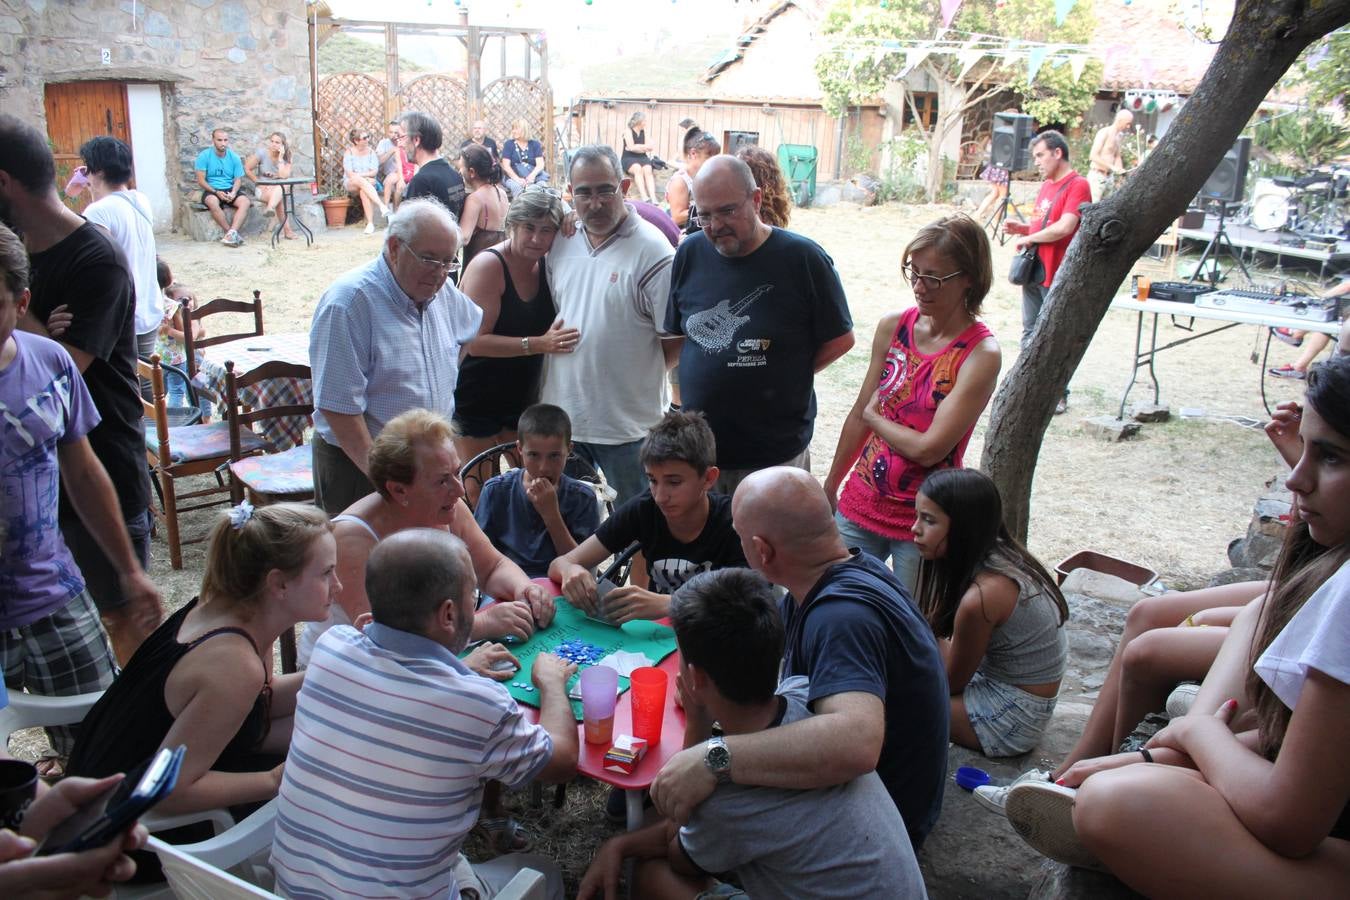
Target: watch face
718 757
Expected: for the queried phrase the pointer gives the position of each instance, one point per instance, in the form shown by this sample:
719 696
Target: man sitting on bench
220 173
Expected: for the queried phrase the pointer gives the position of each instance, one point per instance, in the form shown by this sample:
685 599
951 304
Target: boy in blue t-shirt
681 528
536 513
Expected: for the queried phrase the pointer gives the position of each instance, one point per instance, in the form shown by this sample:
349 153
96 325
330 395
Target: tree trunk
1263 40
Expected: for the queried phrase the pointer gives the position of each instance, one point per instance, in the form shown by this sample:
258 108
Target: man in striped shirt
394 738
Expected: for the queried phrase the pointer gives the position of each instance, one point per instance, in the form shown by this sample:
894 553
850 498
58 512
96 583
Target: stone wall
239 64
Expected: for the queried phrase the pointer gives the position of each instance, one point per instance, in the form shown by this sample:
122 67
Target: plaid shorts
65 653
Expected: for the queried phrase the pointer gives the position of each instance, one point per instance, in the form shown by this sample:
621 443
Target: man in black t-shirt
763 310
681 528
478 135
435 177
76 265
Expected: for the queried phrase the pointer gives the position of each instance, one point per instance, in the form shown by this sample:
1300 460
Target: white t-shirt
614 385
127 217
1317 637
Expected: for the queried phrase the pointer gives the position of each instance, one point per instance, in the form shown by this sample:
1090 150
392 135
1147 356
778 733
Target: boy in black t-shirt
682 529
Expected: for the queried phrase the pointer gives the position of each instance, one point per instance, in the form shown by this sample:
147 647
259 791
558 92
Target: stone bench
202 227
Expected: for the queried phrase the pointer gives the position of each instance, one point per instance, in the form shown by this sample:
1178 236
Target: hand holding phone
113 811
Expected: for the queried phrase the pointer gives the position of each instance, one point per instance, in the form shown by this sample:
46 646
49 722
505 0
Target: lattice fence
446 100
347 100
508 99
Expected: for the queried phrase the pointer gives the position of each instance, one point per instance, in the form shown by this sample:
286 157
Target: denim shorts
1007 720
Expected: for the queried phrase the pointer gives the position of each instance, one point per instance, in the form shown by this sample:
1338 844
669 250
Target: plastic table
591 758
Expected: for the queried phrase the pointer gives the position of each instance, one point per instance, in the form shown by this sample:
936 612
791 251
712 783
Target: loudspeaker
1012 137
1229 181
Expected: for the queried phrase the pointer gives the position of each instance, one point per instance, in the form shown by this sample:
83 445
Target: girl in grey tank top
996 610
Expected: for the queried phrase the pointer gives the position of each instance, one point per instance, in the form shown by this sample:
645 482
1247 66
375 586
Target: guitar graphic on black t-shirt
714 329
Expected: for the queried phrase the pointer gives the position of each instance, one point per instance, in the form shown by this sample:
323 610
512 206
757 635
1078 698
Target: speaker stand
1219 244
997 218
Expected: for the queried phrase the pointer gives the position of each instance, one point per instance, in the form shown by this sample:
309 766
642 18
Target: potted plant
335 209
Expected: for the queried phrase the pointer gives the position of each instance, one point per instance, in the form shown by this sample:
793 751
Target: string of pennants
976 47
970 48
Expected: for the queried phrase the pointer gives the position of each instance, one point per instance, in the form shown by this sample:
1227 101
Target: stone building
160 74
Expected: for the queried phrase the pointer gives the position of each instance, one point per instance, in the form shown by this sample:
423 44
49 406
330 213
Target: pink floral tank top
879 494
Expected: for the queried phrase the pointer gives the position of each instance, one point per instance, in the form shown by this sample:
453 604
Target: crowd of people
819 684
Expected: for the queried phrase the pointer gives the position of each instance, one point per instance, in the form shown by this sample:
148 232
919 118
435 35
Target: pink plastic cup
599 691
78 180
649 702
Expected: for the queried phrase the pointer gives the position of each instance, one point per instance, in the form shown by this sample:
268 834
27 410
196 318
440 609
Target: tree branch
1263 40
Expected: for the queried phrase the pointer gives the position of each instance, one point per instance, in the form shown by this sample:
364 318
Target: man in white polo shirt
611 280
394 738
386 339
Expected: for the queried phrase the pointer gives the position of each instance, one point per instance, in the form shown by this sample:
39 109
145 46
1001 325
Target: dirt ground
1171 499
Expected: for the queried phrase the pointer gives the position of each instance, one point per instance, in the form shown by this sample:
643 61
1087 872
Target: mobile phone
112 812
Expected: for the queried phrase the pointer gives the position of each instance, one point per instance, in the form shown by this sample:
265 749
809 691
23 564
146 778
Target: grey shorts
1007 720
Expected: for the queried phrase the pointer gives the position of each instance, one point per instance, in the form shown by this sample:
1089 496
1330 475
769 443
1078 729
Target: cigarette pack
626 753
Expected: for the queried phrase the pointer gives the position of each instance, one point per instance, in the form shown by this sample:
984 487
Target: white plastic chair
26 710
197 871
38 711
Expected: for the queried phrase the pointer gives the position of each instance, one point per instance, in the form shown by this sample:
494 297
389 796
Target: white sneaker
370 228
995 798
1042 814
1180 700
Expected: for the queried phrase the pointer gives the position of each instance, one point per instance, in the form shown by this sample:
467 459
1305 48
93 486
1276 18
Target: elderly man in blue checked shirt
386 338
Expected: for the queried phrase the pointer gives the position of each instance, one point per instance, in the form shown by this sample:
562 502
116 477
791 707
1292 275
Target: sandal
506 835
51 766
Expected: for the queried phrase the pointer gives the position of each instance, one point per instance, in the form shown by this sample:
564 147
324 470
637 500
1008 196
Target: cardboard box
626 753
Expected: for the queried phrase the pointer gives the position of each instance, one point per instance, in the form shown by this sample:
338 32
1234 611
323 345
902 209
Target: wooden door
76 112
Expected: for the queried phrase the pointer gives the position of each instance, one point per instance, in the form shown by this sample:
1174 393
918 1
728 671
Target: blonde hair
393 456
272 537
523 127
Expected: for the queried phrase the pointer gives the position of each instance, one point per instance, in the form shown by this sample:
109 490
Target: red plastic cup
649 702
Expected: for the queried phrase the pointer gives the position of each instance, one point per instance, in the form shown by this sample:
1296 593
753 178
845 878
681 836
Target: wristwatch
717 758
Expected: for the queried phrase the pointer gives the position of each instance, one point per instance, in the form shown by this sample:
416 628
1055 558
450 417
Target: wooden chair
214 307
180 451
270 476
968 161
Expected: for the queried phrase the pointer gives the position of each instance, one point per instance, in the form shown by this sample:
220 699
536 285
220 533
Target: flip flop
1287 335
506 835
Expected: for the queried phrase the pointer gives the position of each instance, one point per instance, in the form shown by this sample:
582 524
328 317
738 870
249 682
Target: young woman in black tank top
637 157
266 570
483 224
501 374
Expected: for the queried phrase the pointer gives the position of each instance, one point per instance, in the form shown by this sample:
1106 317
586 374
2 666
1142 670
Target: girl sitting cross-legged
998 615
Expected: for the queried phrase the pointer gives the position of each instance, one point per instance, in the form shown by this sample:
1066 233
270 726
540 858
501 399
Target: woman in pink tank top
932 373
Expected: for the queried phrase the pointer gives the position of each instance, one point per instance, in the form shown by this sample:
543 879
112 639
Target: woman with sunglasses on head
359 167
501 374
913 413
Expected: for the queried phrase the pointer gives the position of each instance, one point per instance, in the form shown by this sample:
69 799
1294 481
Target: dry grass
1171 499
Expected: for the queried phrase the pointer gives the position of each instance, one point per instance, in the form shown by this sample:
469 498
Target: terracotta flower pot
335 211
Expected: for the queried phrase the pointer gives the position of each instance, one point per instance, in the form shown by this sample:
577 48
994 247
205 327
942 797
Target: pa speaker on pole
1229 181
1012 137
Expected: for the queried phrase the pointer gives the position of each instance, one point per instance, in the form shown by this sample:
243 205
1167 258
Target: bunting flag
1062 10
968 59
1112 52
915 57
949 8
1035 57
1076 63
